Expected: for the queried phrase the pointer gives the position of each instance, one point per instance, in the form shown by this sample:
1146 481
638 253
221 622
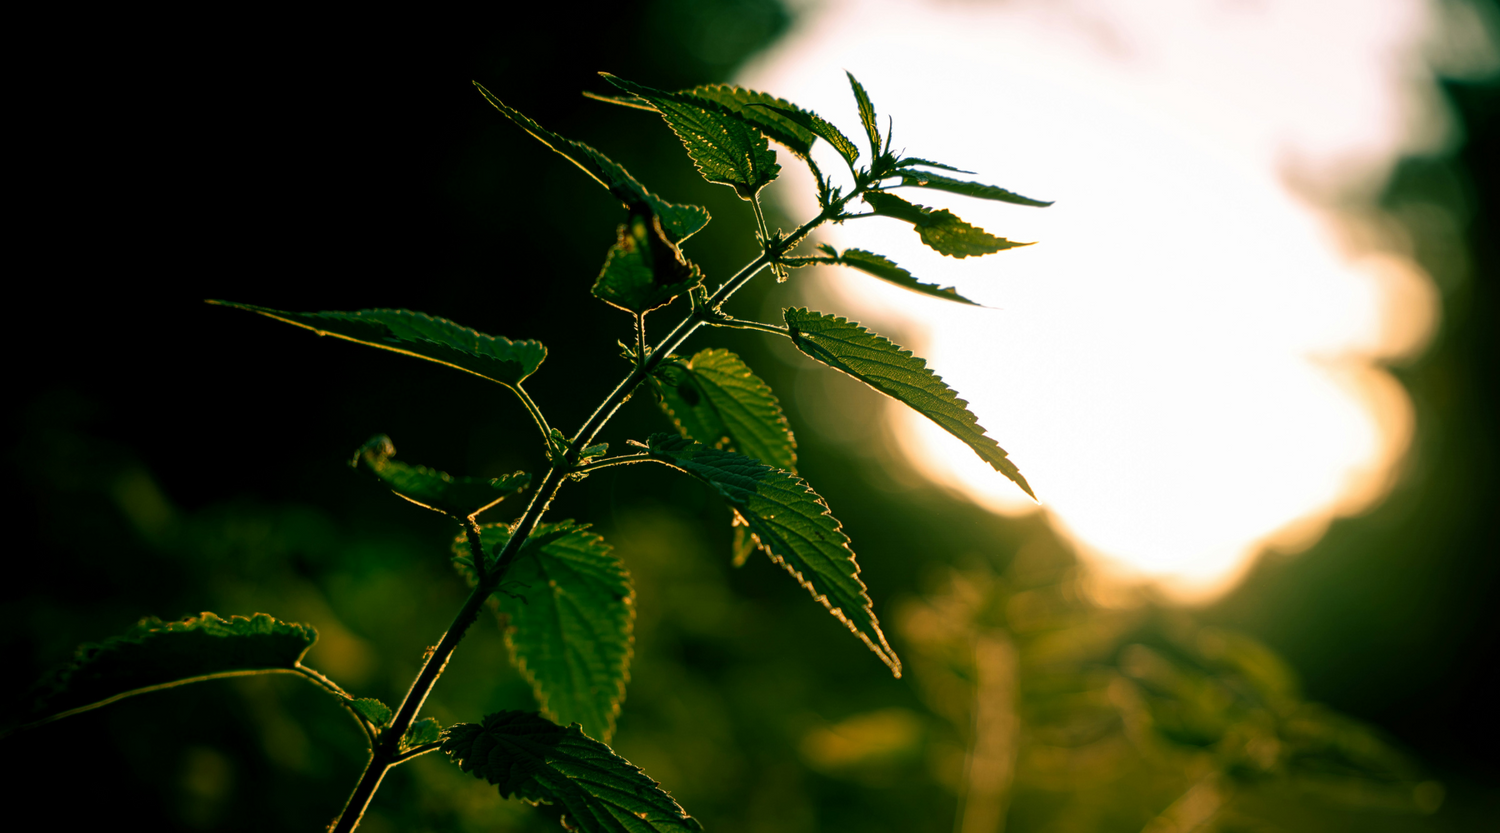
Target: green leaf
940 230
154 655
877 265
763 111
937 182
866 114
422 732
423 336
725 149
644 270
715 399
791 524
819 127
570 607
679 221
912 161
870 358
461 497
532 759
378 713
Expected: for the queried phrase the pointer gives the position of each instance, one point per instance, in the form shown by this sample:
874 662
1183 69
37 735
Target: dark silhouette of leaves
424 336
679 221
460 497
154 655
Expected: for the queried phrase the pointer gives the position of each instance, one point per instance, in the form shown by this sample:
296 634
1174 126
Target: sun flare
1189 367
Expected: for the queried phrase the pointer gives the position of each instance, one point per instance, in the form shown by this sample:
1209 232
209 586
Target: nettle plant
563 597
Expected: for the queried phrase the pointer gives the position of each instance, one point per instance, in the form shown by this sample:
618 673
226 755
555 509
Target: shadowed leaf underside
679 221
460 497
874 360
714 398
155 654
426 337
644 270
791 523
528 757
570 608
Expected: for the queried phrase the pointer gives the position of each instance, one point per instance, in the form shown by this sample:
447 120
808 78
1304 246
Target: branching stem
386 751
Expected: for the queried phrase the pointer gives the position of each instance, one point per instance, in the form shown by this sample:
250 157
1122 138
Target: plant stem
623 460
476 549
536 413
742 324
386 751
765 236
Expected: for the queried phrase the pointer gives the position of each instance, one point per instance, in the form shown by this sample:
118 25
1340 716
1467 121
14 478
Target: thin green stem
536 413
476 548
744 324
623 460
765 236
417 752
640 335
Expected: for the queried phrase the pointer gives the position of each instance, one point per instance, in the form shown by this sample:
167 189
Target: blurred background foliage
165 457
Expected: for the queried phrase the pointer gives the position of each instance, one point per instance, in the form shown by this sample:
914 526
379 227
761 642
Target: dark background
165 457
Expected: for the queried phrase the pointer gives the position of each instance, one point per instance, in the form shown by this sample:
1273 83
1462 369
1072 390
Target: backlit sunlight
1189 366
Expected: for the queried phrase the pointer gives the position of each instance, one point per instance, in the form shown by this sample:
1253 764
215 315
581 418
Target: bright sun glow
1188 367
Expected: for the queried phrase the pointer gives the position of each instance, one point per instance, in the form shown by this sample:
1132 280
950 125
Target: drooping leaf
866 114
460 497
570 608
422 732
378 713
937 182
912 161
724 148
526 756
644 270
877 265
154 655
415 334
791 524
872 359
940 230
679 221
715 399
